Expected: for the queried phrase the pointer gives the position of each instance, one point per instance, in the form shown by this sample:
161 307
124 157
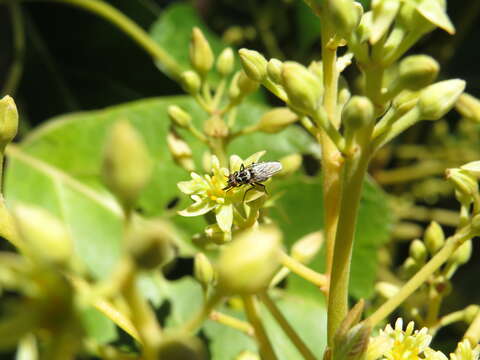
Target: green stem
305 272
452 244
194 324
108 12
287 329
253 316
434 304
473 331
217 146
232 322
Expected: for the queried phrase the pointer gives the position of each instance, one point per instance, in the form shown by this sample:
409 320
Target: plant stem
251 309
421 276
473 331
232 322
305 272
287 329
193 325
108 12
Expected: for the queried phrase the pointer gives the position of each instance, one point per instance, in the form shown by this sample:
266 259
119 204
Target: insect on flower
253 175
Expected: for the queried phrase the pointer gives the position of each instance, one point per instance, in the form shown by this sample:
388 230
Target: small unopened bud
405 101
409 268
357 113
290 164
181 346
472 168
44 233
179 117
469 107
418 251
437 99
225 62
191 82
150 244
246 85
386 290
462 254
345 16
203 269
354 343
384 12
216 235
214 126
127 165
434 238
470 313
276 120
254 64
274 70
181 152
8 120
417 71
305 249
302 87
463 181
248 264
201 55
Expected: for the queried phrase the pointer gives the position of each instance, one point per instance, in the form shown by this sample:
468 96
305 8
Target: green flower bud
437 99
248 264
191 82
434 238
151 244
181 152
354 343
417 71
233 90
225 62
386 289
8 120
463 181
127 165
179 117
247 355
409 268
276 120
245 84
345 16
274 70
305 249
405 101
418 251
435 12
384 12
48 238
254 64
470 313
469 107
215 127
302 87
290 164
217 235
201 55
203 269
181 346
462 254
357 113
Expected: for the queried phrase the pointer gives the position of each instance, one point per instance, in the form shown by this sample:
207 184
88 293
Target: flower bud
181 152
463 181
409 268
178 116
214 126
201 55
354 343
276 120
345 16
245 84
473 168
225 62
469 107
434 238
418 251
254 64
386 289
302 87
305 249
462 254
8 120
274 70
181 346
127 166
383 15
44 233
191 82
437 99
417 71
357 113
290 164
233 90
405 101
435 12
203 269
216 235
151 244
248 264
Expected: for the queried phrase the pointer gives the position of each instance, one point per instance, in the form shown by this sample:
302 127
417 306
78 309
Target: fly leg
254 186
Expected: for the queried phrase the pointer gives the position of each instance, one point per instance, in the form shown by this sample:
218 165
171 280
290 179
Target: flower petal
235 162
225 217
198 208
187 187
254 158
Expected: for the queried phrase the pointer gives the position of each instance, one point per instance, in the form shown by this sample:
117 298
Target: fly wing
265 170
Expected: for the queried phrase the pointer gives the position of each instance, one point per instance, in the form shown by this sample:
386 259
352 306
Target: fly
253 175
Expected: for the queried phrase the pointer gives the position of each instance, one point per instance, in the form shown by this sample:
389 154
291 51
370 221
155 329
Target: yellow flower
465 351
208 192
